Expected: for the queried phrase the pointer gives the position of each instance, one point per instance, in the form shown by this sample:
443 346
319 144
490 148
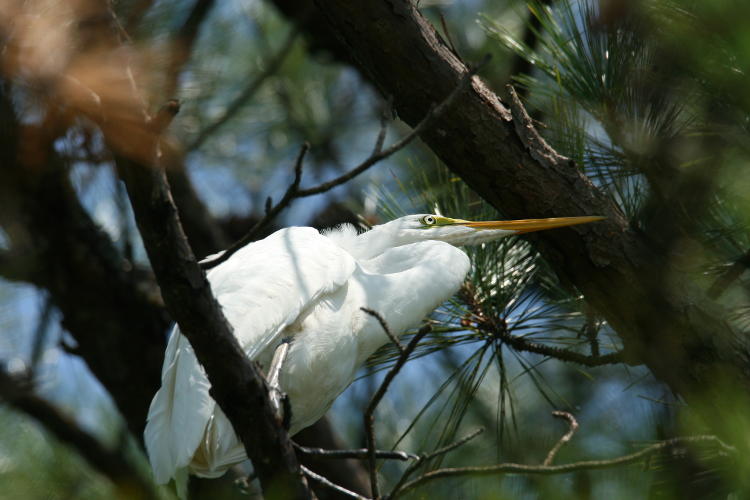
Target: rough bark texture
669 326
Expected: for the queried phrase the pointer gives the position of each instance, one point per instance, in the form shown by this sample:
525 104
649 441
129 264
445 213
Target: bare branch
290 194
572 428
429 456
375 400
383 126
164 116
513 468
360 453
427 121
450 447
293 190
237 385
322 480
384 325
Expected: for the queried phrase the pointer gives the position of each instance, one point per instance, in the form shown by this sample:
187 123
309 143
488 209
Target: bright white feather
310 287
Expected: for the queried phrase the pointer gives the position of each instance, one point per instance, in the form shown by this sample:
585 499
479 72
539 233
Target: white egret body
308 286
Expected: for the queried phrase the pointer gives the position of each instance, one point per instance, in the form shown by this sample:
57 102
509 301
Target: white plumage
309 286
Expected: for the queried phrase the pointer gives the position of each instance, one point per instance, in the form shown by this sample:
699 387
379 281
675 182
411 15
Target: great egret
307 286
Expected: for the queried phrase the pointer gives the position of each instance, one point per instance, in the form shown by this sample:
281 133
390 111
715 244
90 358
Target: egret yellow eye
428 220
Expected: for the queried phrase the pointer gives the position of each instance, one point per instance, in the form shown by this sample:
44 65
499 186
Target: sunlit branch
325 482
572 428
359 453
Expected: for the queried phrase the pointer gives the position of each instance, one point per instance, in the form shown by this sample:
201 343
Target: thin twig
243 97
289 195
375 400
572 428
359 453
428 120
384 325
429 456
513 468
388 110
452 446
294 192
322 480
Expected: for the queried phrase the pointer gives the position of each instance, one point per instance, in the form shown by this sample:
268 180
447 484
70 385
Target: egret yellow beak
530 225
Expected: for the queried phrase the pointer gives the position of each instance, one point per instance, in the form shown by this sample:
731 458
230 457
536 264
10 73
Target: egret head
463 232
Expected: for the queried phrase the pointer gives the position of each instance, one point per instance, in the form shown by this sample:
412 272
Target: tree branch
668 325
322 480
497 328
107 462
289 195
375 400
572 428
115 322
361 453
513 468
429 456
378 154
237 385
384 325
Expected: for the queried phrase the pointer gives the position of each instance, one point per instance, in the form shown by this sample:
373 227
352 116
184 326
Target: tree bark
672 328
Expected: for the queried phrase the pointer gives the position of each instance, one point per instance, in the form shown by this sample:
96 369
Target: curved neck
377 240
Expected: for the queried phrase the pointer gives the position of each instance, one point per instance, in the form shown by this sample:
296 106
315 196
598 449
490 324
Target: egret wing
263 289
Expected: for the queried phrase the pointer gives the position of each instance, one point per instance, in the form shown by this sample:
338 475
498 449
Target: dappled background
649 98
